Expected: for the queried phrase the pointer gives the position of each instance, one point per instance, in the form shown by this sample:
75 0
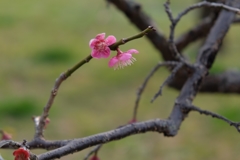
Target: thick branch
160 126
226 82
210 48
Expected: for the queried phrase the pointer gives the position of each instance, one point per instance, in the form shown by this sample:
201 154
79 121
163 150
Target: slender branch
170 78
214 115
172 29
125 40
144 84
93 151
205 4
59 80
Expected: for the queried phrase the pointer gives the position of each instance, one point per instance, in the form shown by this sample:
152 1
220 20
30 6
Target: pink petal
131 51
96 54
113 61
125 56
110 40
92 43
105 53
100 36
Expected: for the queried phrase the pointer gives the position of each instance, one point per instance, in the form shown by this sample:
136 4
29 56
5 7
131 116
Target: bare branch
227 82
169 79
214 115
93 151
144 84
214 40
125 40
157 125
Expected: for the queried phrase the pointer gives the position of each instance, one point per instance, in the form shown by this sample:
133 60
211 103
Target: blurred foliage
18 108
53 55
41 39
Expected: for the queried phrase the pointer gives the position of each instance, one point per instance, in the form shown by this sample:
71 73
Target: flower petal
92 43
113 61
105 53
96 54
110 40
131 51
125 57
100 36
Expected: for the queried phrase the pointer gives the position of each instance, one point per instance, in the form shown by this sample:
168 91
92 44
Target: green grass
41 39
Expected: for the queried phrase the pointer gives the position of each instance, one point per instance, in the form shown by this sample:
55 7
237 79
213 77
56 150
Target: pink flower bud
132 121
95 157
6 136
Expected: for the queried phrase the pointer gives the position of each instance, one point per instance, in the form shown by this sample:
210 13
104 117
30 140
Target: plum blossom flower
5 135
21 154
122 59
99 45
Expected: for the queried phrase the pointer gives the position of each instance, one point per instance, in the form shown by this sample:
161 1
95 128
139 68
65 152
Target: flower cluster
100 49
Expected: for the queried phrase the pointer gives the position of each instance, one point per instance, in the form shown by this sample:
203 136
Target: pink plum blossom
99 46
122 59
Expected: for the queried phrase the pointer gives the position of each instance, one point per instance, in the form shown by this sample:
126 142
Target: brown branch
214 115
59 80
214 40
125 40
161 126
227 82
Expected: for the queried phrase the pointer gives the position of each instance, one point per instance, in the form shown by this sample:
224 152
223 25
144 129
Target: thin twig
209 113
170 77
144 84
125 40
93 151
59 80
174 21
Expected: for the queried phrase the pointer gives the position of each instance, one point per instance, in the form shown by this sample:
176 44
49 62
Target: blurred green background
41 39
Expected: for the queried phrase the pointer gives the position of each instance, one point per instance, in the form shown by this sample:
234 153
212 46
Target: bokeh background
41 39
